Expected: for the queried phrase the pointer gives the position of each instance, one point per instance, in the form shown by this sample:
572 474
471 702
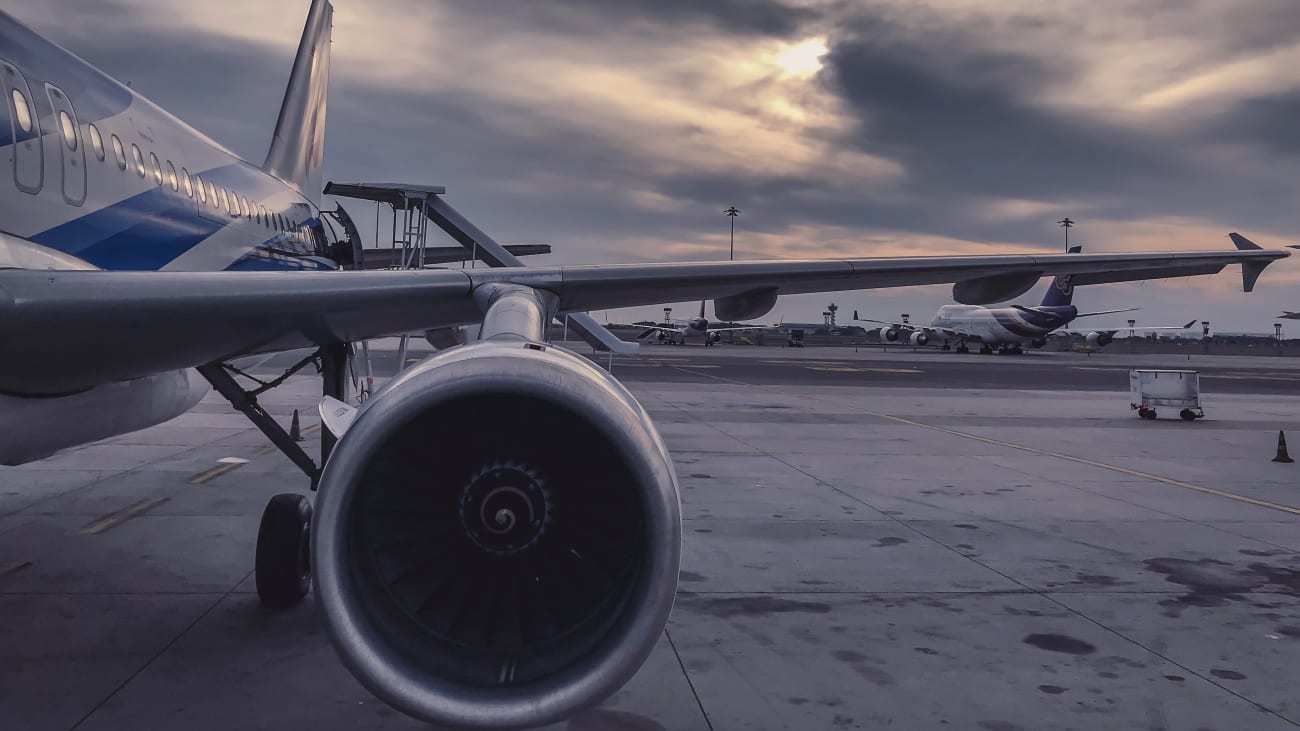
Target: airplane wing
1116 328
77 329
737 329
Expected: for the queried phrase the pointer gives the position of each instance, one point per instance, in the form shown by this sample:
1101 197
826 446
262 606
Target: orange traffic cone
1282 455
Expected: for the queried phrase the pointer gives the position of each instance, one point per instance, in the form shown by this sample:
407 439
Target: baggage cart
1176 389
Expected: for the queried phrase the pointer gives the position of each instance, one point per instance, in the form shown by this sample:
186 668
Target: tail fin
295 154
1061 292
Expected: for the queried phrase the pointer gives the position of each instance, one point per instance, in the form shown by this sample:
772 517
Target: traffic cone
295 432
1282 455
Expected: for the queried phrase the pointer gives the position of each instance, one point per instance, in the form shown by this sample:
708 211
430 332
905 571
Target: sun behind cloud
803 58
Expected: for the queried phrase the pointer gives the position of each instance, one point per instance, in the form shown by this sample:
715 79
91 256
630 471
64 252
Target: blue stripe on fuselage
152 228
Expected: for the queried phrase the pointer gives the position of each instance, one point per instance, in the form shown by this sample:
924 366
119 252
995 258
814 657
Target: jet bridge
416 206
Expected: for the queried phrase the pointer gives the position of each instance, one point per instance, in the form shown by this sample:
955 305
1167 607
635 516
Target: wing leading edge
77 329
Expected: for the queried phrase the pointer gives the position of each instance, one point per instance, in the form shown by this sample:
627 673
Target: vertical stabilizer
296 149
1061 293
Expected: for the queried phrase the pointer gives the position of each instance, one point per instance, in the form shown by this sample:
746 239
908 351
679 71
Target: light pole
732 212
1066 223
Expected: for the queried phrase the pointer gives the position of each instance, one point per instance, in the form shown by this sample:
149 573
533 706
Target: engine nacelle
891 334
497 537
714 337
919 338
1096 340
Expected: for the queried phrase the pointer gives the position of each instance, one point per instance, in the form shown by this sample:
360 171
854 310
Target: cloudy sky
618 130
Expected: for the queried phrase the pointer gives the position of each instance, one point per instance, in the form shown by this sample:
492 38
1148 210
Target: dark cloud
761 17
1269 123
963 118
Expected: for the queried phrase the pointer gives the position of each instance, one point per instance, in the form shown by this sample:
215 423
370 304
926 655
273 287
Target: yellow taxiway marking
121 516
226 465
1093 463
9 569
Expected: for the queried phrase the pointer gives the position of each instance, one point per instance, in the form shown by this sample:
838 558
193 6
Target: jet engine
1099 339
891 334
919 338
497 537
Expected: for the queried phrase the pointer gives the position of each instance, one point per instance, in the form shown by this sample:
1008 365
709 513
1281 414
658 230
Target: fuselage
98 172
92 174
1004 324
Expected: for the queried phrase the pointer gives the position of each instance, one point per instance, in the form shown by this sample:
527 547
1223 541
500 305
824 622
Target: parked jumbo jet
473 567
1009 329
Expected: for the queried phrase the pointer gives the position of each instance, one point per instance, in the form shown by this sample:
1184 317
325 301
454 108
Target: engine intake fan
497 537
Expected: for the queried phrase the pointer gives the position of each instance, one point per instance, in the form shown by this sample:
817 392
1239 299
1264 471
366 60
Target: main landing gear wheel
284 551
1188 415
986 350
1147 413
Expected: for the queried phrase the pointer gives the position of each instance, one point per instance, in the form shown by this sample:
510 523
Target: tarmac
872 540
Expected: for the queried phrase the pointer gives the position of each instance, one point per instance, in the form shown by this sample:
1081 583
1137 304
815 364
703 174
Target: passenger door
25 125
71 146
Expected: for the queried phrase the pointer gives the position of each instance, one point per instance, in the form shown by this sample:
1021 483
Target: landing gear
986 350
1189 415
284 551
283 560
1147 412
962 349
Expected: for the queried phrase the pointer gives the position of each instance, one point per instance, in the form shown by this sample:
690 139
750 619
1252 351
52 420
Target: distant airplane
676 331
1009 329
1289 315
496 535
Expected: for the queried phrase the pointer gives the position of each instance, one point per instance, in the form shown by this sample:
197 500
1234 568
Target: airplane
1009 329
676 333
496 533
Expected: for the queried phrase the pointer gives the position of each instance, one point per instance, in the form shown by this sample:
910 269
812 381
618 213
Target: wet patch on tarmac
601 719
1227 674
1060 643
1051 689
1214 583
888 541
753 606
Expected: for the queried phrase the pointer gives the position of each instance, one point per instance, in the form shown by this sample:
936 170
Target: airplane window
243 207
189 186
119 152
96 142
69 130
257 213
157 169
225 199
212 193
139 159
23 112
171 176
203 194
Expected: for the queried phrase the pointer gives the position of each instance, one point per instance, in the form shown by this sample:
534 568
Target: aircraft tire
283 560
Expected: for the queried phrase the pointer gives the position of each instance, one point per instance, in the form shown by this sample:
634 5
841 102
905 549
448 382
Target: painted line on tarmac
9 569
121 516
227 464
1058 455
849 369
